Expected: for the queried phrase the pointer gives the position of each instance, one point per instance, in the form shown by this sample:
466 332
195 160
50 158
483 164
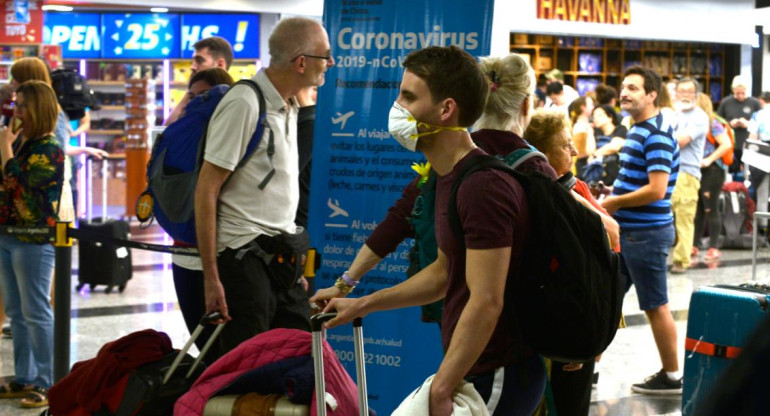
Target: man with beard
640 203
691 129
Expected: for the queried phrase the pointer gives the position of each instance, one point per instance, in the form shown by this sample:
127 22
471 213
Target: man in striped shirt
641 203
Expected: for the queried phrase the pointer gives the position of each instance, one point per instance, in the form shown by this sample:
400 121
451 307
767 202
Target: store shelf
114 107
546 52
105 83
106 132
6 63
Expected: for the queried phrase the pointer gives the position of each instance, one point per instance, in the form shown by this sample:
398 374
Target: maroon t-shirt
396 227
494 213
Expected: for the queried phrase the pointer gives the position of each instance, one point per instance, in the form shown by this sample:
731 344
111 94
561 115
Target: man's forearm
640 197
363 263
429 285
206 230
472 333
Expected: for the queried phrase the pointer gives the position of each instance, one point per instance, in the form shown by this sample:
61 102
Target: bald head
293 37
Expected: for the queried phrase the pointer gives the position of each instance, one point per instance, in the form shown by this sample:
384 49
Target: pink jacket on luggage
265 348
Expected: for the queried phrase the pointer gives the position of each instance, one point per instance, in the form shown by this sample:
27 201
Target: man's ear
221 63
299 64
449 109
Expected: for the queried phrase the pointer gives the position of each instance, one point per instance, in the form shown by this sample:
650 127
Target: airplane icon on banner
342 118
335 207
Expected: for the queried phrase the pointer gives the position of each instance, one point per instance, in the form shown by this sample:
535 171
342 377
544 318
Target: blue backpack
176 159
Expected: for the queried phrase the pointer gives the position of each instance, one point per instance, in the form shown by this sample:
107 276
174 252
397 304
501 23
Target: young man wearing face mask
431 115
692 127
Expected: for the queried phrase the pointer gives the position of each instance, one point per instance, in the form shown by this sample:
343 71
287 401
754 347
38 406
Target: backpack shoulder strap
262 124
520 156
474 164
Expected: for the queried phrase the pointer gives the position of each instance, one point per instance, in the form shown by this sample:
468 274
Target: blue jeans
25 278
643 255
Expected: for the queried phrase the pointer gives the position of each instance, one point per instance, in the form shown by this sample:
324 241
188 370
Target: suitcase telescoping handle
206 320
319 333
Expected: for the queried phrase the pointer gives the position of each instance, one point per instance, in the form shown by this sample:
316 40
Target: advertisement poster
241 30
359 170
22 21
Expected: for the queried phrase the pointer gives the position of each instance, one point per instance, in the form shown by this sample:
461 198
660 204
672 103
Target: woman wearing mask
32 176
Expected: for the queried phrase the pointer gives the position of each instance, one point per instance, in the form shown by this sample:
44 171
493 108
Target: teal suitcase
720 320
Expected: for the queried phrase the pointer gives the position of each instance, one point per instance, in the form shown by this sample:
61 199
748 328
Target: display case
10 52
588 61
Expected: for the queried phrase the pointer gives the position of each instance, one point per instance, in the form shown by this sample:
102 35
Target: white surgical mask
403 126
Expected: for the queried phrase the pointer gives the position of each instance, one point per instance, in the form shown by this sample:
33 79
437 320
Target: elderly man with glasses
236 219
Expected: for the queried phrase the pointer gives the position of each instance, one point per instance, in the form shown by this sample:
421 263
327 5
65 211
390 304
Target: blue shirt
650 146
693 123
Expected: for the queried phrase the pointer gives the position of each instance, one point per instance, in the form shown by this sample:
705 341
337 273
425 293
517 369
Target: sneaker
658 384
712 254
595 380
6 331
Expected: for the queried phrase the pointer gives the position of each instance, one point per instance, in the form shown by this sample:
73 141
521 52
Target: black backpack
73 93
567 298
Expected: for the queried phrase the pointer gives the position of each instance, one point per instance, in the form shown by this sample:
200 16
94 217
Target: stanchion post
61 326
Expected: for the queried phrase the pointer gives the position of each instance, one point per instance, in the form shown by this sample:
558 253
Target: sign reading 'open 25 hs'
149 36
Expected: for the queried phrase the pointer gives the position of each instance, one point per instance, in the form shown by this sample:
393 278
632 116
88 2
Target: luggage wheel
121 288
108 289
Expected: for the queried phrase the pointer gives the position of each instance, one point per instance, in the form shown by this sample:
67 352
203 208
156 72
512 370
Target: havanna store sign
616 12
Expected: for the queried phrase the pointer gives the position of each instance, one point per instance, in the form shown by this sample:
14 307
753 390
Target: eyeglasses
326 58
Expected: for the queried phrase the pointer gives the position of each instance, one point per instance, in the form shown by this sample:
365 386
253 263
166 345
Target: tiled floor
149 301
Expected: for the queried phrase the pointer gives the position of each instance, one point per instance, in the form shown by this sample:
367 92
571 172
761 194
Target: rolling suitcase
721 317
153 388
316 323
102 263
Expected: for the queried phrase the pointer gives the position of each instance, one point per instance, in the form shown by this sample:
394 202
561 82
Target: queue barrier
61 236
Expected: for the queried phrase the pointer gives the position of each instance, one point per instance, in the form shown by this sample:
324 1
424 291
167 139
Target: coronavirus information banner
359 170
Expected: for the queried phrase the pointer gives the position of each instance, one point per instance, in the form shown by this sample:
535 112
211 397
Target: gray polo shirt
243 210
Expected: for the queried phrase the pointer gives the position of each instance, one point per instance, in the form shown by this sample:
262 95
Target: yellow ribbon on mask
435 130
422 169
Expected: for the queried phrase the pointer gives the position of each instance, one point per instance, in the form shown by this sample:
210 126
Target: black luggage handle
317 321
